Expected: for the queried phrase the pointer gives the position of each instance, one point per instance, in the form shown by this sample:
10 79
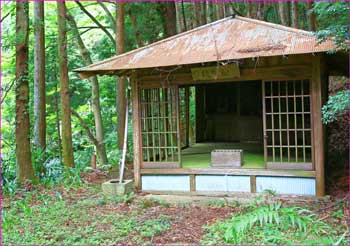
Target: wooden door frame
286 165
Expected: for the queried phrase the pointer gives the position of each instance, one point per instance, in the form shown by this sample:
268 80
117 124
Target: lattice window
287 118
159 125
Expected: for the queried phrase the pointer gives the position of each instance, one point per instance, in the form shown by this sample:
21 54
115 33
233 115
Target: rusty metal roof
226 39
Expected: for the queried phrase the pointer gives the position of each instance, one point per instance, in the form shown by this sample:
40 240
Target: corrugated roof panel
226 39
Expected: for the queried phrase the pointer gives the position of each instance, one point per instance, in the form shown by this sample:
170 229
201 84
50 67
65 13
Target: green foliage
333 22
336 106
87 222
273 224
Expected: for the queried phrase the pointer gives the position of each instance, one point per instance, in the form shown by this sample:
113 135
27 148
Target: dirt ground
186 222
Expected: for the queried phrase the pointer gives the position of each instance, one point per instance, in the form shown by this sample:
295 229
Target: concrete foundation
113 188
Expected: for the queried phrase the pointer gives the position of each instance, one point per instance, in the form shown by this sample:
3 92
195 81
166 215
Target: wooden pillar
318 128
137 130
200 113
187 114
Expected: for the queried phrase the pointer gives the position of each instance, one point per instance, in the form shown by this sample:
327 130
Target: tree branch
9 87
5 16
111 18
95 21
86 127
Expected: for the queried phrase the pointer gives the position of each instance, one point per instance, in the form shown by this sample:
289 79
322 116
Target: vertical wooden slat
253 184
192 182
272 124
287 117
280 120
295 123
318 129
187 114
263 84
177 102
137 130
302 119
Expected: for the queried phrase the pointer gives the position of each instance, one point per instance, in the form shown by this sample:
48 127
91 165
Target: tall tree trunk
95 92
204 13
136 29
23 154
295 14
212 11
184 15
221 10
228 9
39 80
250 10
57 109
260 11
288 13
67 146
282 13
312 17
197 9
121 81
170 14
180 22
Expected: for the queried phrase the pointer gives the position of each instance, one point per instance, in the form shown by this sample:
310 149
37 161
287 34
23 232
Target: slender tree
179 19
170 16
67 148
282 11
295 14
95 92
212 11
312 17
23 153
197 9
39 78
221 10
204 13
121 81
135 27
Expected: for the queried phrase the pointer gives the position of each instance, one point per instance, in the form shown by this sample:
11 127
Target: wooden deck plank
230 171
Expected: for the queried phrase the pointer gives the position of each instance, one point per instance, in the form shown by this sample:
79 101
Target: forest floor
82 215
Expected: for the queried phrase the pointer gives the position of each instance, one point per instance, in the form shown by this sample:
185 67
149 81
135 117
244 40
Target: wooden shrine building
258 88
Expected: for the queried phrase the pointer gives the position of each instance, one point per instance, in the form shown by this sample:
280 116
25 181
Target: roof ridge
276 26
156 43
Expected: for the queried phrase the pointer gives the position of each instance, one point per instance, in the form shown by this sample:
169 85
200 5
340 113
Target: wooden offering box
227 158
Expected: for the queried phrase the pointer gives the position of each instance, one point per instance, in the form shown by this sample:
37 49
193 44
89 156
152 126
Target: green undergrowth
53 220
276 224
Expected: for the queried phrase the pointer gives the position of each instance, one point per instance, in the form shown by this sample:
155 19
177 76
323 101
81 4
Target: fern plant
271 224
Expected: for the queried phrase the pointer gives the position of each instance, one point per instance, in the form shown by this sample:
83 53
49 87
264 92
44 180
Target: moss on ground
198 156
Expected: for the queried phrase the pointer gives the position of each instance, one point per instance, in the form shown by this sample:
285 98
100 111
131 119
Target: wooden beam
137 130
259 73
228 171
318 128
290 165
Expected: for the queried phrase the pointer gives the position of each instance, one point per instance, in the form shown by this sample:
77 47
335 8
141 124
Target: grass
82 216
52 220
198 156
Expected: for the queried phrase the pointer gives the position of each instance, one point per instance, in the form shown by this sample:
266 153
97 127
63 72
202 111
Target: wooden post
200 113
187 114
137 130
318 128
192 183
253 184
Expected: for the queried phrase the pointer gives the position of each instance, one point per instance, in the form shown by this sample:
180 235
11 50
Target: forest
61 135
